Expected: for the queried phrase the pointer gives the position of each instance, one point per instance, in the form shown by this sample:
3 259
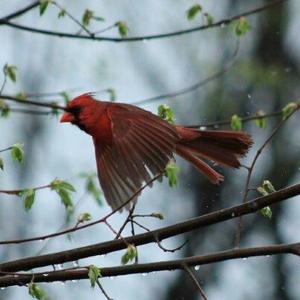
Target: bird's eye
75 110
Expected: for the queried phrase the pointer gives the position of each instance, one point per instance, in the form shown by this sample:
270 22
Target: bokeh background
265 76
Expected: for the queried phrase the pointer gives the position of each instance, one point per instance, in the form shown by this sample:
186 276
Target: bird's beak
67 117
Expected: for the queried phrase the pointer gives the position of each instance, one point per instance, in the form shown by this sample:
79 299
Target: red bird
132 145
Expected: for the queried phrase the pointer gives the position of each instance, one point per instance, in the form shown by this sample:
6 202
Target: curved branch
21 11
31 102
82 273
150 237
140 38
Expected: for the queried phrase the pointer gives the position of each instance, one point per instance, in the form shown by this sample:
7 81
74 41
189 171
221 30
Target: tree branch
82 273
223 22
150 237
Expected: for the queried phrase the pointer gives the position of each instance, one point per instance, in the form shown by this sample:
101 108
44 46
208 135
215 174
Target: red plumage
133 145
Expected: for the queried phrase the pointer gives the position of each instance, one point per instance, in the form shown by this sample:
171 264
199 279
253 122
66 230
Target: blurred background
265 77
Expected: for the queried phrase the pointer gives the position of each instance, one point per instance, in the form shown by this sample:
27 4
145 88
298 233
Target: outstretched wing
142 144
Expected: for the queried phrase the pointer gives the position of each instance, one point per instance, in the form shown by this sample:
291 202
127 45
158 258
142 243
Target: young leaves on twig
94 273
43 6
36 292
92 187
289 109
10 72
242 26
236 123
265 189
129 255
193 11
171 173
122 28
166 113
84 217
261 122
17 152
63 189
28 197
4 109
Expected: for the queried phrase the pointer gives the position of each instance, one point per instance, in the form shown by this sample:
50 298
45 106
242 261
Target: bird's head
82 111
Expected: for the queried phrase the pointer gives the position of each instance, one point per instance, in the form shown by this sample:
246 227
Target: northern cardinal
132 145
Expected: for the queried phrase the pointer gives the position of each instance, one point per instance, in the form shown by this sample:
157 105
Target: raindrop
288 70
45 274
233 214
202 127
223 25
249 96
197 268
75 264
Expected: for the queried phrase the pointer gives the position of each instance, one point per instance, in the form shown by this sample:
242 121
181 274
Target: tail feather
213 176
222 147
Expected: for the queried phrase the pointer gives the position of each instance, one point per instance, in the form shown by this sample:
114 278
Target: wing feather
141 146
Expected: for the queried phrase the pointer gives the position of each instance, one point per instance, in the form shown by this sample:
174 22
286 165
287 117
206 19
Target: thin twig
149 237
195 281
74 228
31 102
251 168
220 23
195 86
103 290
82 272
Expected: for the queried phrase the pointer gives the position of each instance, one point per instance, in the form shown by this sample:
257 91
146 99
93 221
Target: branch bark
152 236
82 273
223 22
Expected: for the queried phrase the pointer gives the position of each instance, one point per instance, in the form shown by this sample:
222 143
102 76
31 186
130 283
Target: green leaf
91 187
262 191
242 26
1 164
21 96
112 94
122 28
65 96
261 122
236 123
63 189
61 13
66 199
28 198
5 109
94 273
166 113
268 186
289 109
158 215
87 16
84 217
17 152
193 11
10 71
171 173
36 292
57 184
266 212
209 18
129 255
43 6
